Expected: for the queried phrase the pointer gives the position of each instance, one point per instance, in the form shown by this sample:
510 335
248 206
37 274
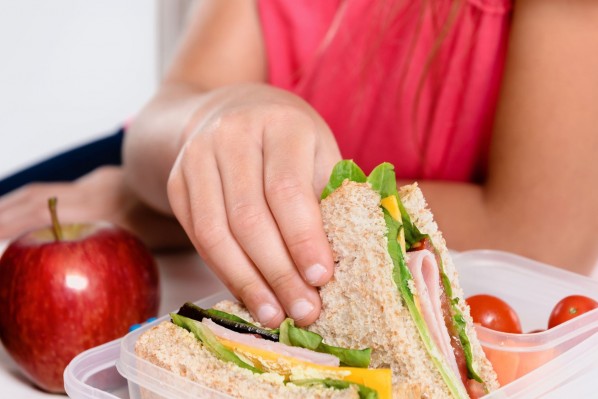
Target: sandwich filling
293 354
420 279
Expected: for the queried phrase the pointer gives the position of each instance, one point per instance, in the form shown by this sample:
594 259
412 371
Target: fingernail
314 273
300 309
266 313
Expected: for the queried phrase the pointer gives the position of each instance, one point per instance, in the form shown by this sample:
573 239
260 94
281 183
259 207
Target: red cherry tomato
570 307
494 313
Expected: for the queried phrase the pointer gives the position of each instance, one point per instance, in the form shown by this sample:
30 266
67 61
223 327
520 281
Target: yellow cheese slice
391 204
295 369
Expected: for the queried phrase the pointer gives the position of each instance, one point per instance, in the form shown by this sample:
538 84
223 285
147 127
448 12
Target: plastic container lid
92 374
530 287
145 375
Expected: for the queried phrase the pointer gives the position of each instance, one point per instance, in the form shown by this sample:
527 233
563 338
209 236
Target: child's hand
246 186
100 195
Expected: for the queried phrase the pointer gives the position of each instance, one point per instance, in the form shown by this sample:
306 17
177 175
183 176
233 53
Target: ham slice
426 277
298 353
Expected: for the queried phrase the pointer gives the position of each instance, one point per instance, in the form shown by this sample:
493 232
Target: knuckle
282 187
228 123
234 117
175 192
209 233
248 289
300 242
190 149
291 115
246 217
284 110
281 281
173 185
287 111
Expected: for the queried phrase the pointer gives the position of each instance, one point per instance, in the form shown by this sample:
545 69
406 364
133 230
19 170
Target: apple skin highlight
61 297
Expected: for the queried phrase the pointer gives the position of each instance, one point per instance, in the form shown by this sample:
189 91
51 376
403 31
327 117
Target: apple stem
56 229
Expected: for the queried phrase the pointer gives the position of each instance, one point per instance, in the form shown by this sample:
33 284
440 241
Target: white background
70 71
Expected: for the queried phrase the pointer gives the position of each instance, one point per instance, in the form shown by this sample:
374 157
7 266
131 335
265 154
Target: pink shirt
365 67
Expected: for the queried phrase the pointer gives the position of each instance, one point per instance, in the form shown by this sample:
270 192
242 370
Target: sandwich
394 322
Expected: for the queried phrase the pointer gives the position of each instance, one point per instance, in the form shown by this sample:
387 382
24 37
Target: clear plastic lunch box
558 363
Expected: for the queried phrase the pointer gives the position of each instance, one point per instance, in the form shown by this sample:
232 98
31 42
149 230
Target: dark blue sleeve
69 165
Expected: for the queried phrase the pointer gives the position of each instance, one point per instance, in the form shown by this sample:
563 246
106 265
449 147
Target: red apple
66 289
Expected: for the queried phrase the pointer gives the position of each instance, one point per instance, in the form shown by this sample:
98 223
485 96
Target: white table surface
183 278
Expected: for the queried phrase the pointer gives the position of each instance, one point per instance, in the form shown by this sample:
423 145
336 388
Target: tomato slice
569 308
494 313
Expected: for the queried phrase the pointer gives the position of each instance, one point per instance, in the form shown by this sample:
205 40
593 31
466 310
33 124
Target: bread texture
178 351
363 298
362 307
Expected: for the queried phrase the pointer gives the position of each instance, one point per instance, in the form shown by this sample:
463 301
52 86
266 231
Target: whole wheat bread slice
363 298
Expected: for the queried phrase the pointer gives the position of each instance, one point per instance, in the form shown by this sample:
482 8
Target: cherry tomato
570 307
494 313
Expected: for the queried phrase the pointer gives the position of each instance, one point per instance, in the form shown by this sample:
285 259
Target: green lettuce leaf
412 233
458 320
345 169
296 336
383 180
402 276
461 328
209 340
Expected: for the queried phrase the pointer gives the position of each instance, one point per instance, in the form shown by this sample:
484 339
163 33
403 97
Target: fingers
26 208
244 190
294 204
200 209
256 231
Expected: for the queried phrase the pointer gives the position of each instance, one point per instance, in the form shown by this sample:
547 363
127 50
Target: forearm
459 209
471 216
221 46
550 228
540 194
154 139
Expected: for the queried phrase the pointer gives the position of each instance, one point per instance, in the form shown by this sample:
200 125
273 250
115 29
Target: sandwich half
395 287
394 323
